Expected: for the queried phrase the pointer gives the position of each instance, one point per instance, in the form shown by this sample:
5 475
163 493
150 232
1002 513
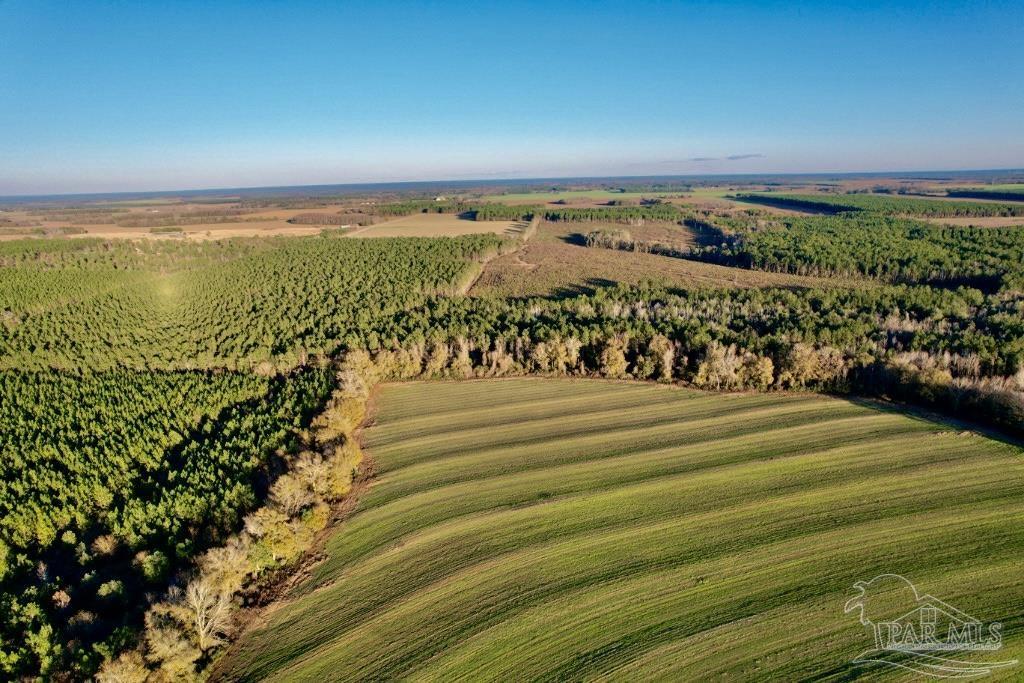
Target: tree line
870 245
635 215
471 211
314 218
887 204
184 631
831 340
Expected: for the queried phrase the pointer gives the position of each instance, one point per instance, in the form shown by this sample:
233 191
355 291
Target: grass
550 529
554 263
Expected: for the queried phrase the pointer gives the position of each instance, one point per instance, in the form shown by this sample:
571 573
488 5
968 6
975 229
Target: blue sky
105 96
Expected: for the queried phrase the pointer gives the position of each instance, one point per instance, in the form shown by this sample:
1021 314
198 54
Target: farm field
554 263
157 219
437 225
553 529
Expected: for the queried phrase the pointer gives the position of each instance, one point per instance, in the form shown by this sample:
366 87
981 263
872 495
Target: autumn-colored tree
613 359
662 351
757 372
719 369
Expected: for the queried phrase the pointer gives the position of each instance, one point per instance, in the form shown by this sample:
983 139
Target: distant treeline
616 214
888 204
652 188
502 212
479 212
296 202
407 208
313 218
655 211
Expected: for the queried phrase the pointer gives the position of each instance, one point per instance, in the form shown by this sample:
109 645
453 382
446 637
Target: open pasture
437 225
534 529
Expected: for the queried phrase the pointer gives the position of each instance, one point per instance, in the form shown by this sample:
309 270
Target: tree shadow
704 234
923 414
575 238
588 286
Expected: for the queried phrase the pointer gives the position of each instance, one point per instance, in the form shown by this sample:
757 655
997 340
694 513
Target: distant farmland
539 529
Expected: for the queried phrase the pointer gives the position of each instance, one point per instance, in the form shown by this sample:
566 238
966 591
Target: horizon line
494 181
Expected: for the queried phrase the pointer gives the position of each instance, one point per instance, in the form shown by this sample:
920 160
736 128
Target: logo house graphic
919 632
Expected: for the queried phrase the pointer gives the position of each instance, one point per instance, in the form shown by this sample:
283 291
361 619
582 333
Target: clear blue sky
103 96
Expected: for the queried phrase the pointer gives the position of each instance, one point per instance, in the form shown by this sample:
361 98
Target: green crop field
535 529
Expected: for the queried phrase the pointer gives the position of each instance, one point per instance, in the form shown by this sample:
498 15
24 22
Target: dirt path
468 285
519 262
529 231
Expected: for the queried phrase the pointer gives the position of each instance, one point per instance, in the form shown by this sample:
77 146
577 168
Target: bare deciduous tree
210 612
